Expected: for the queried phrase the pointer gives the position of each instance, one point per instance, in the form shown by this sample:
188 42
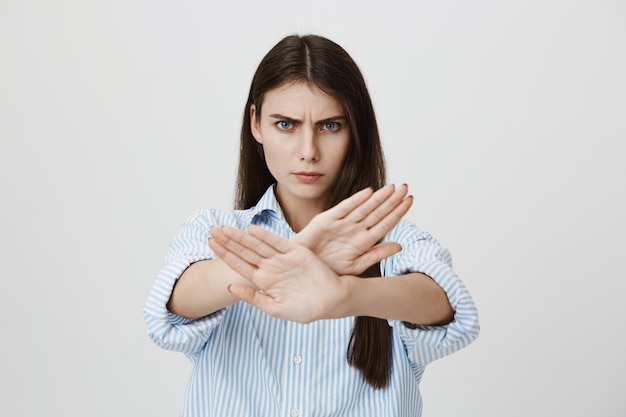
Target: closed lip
308 174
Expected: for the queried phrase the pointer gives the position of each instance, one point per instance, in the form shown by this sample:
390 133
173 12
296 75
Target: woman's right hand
345 236
284 279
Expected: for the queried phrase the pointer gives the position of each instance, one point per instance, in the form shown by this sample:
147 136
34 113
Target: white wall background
119 119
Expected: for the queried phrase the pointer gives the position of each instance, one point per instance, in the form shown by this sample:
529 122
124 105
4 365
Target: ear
254 125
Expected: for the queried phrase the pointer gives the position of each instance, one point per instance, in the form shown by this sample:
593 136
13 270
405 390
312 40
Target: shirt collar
268 202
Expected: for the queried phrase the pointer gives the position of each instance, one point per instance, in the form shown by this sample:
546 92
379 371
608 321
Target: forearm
202 289
413 298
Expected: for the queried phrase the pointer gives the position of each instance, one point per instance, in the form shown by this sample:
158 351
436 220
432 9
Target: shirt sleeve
422 253
166 329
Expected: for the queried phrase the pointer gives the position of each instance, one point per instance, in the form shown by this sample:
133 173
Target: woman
311 337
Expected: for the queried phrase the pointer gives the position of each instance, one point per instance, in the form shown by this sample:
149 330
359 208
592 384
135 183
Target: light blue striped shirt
247 363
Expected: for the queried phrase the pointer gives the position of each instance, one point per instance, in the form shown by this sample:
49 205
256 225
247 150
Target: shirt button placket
297 360
295 400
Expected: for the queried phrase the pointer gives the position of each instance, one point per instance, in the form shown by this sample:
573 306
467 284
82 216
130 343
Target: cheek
341 150
273 156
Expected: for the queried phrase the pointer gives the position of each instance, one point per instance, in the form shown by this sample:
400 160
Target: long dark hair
317 60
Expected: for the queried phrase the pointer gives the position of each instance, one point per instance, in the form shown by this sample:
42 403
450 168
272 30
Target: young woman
269 301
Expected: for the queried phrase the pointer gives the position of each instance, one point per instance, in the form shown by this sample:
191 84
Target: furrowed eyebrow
330 119
296 121
285 118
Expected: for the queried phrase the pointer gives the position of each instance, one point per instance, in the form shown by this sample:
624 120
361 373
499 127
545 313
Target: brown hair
328 66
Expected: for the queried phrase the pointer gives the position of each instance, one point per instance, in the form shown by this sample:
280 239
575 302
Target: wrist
350 298
302 238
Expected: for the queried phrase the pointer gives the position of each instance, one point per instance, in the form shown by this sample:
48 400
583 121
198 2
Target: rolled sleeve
166 329
422 253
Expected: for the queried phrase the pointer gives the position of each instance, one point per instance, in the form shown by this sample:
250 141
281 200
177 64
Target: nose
309 150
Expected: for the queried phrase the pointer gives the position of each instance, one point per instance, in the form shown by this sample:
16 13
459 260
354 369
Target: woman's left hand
293 283
345 236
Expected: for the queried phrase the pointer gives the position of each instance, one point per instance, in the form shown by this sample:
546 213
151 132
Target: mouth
308 177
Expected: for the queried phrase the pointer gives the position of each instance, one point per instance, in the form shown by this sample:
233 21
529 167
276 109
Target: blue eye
331 126
284 125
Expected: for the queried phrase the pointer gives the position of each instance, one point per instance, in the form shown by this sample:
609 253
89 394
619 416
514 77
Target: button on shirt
248 363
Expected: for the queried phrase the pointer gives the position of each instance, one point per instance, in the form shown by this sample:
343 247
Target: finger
253 297
376 254
272 240
244 292
233 246
383 227
374 202
383 207
233 261
387 206
248 241
346 206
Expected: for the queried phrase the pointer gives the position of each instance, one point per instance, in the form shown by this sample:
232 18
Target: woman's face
305 138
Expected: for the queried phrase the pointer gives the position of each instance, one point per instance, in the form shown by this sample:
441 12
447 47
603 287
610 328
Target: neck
299 218
299 213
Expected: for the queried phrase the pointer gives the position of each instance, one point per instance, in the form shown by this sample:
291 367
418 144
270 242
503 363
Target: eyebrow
296 121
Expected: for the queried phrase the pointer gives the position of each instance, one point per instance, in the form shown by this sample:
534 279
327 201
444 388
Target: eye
284 125
331 126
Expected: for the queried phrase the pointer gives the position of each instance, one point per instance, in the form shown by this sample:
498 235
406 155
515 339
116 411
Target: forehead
301 97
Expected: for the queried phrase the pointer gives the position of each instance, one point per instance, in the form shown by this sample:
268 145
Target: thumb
377 253
251 296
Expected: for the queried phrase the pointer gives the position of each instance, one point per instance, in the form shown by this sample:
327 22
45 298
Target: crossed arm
314 276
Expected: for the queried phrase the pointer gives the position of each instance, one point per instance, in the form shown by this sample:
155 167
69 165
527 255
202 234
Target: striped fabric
247 363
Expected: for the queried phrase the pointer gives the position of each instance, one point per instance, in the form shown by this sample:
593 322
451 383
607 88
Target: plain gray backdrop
119 119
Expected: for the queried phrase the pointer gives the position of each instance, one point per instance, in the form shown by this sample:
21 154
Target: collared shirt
247 363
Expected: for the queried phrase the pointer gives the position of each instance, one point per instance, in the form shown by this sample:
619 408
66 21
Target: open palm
287 280
345 236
